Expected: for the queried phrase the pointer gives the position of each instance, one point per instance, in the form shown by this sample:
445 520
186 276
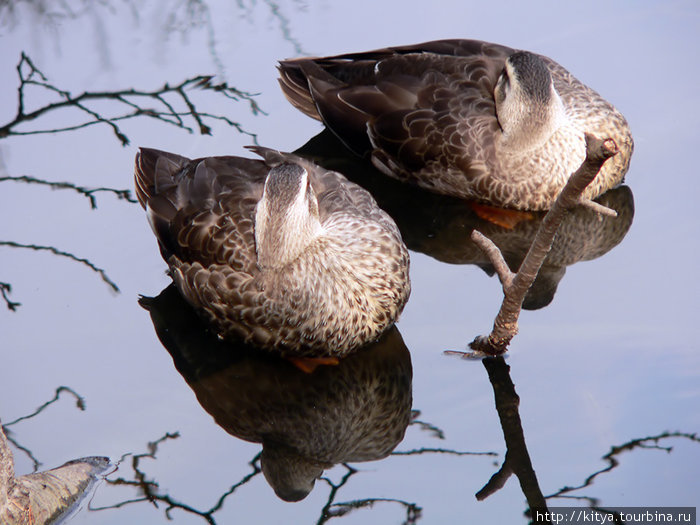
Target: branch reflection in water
355 411
517 458
441 226
49 496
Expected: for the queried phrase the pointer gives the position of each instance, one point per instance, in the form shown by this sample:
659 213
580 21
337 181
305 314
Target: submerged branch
515 286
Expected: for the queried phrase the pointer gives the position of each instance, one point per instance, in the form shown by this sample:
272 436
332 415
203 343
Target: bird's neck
282 238
526 127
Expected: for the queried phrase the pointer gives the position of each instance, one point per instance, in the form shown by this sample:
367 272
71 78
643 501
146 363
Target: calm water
607 372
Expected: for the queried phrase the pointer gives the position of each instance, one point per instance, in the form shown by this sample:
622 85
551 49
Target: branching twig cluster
650 442
159 104
516 285
150 488
336 510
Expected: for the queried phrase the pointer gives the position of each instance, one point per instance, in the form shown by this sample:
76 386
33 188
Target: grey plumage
462 117
346 282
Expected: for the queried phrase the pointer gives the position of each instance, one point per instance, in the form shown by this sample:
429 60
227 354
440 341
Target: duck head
286 217
528 107
290 475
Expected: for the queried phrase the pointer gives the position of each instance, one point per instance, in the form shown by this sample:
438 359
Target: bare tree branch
5 289
56 251
516 286
650 442
158 104
87 192
335 510
495 256
424 425
418 451
80 403
151 489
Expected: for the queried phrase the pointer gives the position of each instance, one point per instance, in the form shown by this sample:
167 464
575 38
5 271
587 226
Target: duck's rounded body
277 252
464 118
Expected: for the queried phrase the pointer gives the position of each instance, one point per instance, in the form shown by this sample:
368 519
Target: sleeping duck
279 252
465 118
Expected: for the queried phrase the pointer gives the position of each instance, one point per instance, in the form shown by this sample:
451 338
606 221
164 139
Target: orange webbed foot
504 217
309 364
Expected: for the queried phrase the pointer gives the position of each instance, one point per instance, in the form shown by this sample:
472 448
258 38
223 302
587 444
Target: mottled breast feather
345 289
426 114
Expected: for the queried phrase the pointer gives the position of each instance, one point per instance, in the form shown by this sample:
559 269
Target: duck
276 252
471 119
441 226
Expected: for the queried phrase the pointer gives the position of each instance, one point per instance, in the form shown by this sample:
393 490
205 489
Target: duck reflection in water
440 226
355 411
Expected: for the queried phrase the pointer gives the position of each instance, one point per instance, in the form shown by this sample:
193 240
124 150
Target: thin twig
79 402
87 192
597 207
496 258
36 464
56 251
151 488
417 451
613 462
5 289
284 26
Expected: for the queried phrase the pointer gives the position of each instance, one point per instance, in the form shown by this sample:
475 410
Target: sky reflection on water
612 359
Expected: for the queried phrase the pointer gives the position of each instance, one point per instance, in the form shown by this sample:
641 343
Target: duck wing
201 210
416 108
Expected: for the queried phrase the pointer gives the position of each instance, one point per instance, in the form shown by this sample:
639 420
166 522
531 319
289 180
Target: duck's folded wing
202 210
411 108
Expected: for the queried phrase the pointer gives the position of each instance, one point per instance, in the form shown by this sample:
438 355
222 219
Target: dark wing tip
147 170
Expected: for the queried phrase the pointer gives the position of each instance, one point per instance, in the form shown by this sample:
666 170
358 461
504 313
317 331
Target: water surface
607 372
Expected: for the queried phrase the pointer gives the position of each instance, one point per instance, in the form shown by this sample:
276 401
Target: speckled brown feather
355 411
348 286
426 115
